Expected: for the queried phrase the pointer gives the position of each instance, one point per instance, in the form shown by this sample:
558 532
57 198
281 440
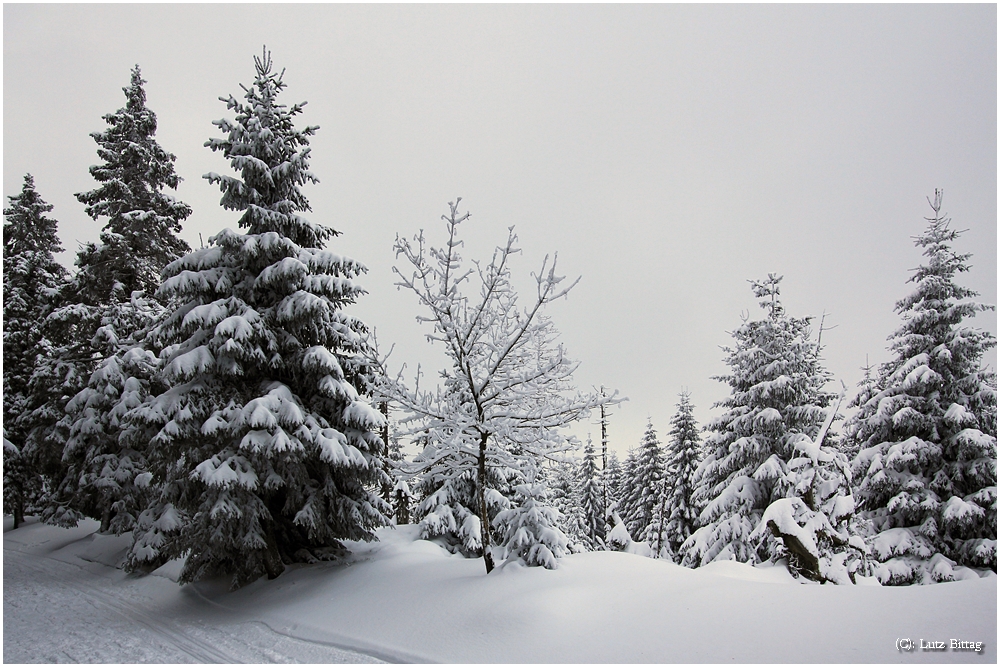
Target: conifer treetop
271 157
140 235
25 225
136 168
937 304
768 291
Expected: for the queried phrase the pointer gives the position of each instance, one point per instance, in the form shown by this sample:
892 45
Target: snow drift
406 599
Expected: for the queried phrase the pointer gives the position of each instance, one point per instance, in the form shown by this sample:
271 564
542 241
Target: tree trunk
604 469
18 511
484 517
799 557
386 466
663 521
272 557
106 520
402 508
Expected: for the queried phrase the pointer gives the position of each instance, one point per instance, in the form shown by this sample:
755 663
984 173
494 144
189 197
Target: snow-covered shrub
619 538
448 509
529 531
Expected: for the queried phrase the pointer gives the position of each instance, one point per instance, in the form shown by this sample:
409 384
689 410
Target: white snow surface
64 601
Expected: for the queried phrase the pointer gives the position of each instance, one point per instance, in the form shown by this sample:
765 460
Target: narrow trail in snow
58 611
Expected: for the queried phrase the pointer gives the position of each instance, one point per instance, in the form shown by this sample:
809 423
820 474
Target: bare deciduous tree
509 388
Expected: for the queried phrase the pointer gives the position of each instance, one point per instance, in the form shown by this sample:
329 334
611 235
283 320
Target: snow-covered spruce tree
646 482
867 389
402 498
683 457
393 487
818 526
509 387
105 311
264 445
591 499
565 495
627 488
19 482
777 396
656 534
105 473
448 503
927 432
31 278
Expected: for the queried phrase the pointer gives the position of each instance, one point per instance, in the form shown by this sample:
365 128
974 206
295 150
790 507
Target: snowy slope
403 599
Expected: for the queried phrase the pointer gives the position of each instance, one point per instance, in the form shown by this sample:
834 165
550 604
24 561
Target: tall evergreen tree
646 487
612 479
656 538
867 388
627 489
927 430
563 493
777 396
591 498
31 278
683 457
264 445
107 310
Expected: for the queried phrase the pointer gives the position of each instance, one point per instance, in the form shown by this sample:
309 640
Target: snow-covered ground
403 599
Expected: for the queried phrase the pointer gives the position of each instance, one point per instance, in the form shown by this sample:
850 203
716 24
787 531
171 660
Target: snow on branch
509 386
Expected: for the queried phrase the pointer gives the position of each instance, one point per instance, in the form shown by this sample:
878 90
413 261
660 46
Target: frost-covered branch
509 387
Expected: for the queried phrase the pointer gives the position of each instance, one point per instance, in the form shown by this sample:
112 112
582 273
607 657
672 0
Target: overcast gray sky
668 153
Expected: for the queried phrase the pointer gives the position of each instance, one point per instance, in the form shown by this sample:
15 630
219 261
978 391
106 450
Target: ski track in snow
64 601
51 608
